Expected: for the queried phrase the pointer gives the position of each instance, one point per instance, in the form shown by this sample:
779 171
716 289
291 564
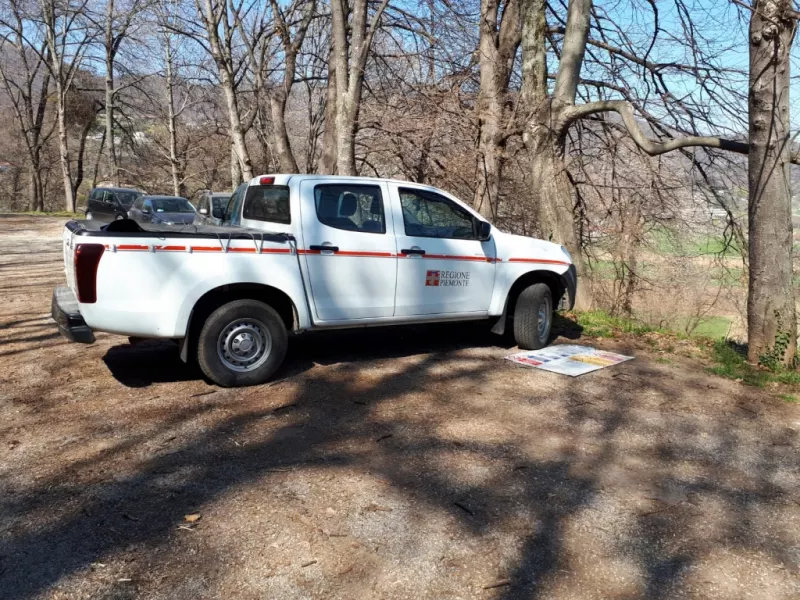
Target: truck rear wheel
533 317
242 343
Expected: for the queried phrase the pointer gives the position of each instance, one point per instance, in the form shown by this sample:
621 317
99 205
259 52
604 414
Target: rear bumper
67 315
570 279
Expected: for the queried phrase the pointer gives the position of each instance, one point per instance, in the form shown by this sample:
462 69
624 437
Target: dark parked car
211 207
110 204
168 210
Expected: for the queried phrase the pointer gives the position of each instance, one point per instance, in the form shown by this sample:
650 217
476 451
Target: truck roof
284 178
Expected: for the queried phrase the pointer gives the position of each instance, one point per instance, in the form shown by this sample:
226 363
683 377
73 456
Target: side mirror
484 231
203 211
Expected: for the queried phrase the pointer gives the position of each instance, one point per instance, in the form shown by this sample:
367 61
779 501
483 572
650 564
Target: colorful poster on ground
568 359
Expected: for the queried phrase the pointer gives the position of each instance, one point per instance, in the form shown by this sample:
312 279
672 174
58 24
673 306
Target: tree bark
111 150
280 135
328 159
497 47
351 55
174 161
771 319
236 169
213 15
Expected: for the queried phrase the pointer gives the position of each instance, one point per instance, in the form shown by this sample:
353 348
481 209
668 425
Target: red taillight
87 257
266 180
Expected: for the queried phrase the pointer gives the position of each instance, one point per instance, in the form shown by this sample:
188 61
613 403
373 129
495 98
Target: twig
497 584
384 437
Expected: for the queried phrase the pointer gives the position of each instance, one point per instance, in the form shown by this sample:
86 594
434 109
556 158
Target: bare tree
351 53
67 34
116 28
26 80
220 29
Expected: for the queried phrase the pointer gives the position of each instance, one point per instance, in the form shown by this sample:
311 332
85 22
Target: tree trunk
63 151
771 320
328 160
236 169
111 150
174 163
286 160
551 191
497 46
36 191
237 131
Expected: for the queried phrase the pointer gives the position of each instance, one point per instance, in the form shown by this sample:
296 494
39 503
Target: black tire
534 303
218 355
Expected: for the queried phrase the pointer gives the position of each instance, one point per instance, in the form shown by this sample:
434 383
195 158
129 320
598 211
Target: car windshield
127 198
172 205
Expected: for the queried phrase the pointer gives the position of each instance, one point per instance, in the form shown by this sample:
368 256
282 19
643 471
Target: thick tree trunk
36 192
771 320
497 47
551 192
286 160
237 131
328 160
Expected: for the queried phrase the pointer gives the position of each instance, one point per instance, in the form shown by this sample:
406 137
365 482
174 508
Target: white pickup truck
300 252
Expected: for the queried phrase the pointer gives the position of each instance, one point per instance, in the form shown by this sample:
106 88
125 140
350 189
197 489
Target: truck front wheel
533 317
242 343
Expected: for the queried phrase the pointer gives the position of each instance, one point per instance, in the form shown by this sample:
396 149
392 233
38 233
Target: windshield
172 205
127 198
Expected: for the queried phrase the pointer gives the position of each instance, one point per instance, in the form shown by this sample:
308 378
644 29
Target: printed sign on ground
568 360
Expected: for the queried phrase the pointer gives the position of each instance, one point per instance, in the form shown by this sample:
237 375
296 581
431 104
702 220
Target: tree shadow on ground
335 422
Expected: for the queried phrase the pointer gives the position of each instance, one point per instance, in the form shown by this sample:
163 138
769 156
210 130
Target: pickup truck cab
301 252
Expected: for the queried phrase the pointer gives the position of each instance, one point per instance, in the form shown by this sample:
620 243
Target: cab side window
426 214
139 203
350 207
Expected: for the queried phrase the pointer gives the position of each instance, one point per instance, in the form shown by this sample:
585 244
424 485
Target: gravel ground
402 463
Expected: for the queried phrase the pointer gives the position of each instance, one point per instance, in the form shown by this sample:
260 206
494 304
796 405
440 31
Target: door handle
417 251
324 248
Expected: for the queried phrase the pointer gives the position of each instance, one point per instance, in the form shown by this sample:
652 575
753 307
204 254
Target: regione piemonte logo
432 278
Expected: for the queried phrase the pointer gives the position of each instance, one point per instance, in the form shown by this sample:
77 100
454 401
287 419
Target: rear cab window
269 203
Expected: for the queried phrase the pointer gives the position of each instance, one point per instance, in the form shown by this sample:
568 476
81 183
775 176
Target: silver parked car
211 207
166 210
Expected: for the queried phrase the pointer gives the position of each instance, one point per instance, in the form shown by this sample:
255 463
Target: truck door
349 250
442 266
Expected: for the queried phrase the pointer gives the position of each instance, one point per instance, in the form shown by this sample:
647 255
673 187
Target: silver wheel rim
244 345
545 314
119 218
88 216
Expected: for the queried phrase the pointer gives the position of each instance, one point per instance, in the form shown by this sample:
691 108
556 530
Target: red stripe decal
352 253
171 248
132 247
206 249
538 260
276 251
245 250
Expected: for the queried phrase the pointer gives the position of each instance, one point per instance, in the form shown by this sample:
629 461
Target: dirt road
383 464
